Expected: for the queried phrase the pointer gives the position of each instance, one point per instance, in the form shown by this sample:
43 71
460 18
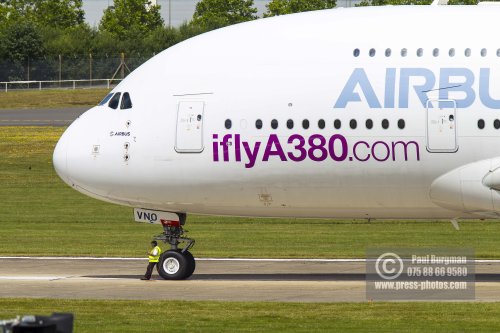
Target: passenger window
496 124
401 124
484 52
289 123
467 52
451 52
369 123
126 102
498 53
385 124
321 124
404 52
113 103
258 124
356 52
480 124
353 123
388 52
228 124
372 52
305 124
337 124
435 52
274 124
420 52
106 99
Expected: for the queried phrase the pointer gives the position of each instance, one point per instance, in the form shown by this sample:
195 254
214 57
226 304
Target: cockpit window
126 101
106 99
113 103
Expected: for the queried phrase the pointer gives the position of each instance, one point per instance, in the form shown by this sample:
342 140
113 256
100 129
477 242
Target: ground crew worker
154 257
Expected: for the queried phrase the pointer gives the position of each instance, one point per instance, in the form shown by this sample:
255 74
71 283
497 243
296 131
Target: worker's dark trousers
149 271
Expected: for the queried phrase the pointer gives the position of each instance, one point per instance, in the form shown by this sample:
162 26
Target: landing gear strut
176 263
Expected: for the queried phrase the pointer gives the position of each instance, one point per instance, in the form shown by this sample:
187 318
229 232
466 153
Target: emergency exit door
441 126
189 135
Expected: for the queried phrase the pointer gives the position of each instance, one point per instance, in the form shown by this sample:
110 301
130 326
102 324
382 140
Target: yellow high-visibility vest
155 258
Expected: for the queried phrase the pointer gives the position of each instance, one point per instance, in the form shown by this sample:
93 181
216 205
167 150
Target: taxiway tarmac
40 117
231 280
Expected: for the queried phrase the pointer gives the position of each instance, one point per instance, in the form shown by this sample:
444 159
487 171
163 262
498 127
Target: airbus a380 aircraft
377 112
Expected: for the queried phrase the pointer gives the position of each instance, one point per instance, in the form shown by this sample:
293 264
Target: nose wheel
176 263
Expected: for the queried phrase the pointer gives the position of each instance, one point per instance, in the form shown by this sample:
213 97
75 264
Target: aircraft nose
59 158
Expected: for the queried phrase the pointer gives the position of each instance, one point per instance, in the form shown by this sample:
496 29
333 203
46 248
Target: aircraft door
189 134
441 126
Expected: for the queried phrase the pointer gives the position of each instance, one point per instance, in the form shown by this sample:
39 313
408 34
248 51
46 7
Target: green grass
40 215
28 99
176 316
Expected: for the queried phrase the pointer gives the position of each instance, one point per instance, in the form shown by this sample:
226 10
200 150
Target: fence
63 84
64 69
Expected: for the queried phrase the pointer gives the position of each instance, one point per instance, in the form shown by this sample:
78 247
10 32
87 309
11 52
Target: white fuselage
171 150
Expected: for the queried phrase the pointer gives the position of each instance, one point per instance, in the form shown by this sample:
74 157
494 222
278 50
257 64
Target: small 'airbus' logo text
119 133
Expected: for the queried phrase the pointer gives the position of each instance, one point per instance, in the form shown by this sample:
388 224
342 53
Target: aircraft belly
293 191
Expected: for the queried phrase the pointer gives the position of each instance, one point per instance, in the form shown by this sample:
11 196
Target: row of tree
49 29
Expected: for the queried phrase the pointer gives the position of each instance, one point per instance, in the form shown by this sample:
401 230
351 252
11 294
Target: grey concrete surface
40 117
297 281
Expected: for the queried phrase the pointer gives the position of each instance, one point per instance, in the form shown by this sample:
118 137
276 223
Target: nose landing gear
176 263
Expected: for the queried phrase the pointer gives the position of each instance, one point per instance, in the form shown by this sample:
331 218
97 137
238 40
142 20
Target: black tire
191 263
173 265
